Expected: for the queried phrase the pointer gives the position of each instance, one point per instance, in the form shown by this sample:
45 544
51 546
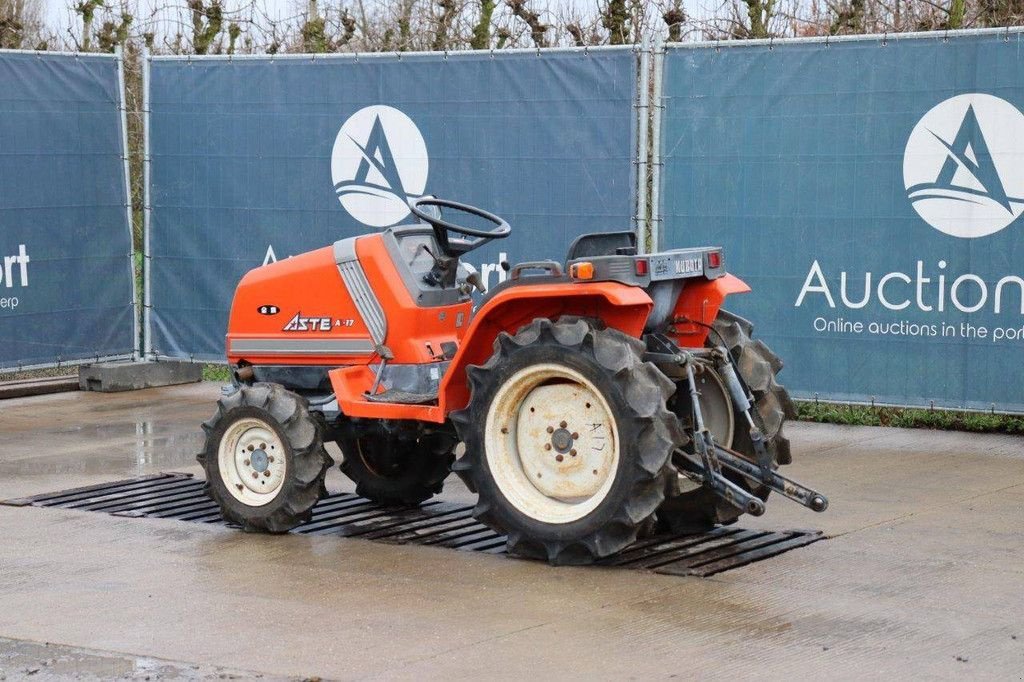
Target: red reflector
714 259
641 267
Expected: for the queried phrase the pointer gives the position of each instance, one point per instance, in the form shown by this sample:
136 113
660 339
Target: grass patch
910 418
219 373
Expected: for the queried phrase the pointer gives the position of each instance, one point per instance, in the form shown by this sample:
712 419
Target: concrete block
109 377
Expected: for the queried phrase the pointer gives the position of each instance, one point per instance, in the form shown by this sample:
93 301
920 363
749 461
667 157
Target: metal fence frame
123 118
641 207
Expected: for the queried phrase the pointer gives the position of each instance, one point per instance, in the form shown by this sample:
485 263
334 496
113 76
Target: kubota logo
963 167
379 161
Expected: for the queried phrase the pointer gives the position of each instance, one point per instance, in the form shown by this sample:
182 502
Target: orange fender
620 306
700 302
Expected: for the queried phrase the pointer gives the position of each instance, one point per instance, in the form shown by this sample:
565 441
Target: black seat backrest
602 244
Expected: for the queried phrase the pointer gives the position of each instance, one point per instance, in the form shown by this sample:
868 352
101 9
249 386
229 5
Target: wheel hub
251 461
260 460
562 440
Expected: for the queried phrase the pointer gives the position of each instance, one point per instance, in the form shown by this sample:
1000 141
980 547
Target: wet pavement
923 574
42 662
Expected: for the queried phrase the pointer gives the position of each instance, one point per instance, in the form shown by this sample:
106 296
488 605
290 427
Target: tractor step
435 523
397 397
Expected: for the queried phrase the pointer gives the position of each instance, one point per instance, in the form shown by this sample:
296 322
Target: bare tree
21 24
848 18
1000 12
314 34
445 20
615 18
215 26
538 29
482 30
87 10
207 21
674 17
760 13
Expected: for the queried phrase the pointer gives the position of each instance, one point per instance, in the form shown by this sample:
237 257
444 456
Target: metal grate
435 523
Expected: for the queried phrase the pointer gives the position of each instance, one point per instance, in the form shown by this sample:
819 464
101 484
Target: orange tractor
595 399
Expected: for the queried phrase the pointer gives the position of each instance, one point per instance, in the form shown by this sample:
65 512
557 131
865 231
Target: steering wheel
457 247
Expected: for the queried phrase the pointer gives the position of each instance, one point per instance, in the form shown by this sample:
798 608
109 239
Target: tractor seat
602 244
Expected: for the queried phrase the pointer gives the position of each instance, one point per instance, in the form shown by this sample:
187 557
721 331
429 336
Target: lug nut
563 425
575 435
559 458
263 446
551 429
250 448
246 462
547 446
267 473
573 452
270 459
255 475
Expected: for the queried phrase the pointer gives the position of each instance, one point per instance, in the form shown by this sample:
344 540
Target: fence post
123 106
657 107
642 220
146 209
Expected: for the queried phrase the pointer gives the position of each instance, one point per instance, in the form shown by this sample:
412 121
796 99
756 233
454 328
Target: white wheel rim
552 443
252 463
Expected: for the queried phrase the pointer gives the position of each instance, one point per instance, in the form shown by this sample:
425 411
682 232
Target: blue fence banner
66 282
870 192
256 159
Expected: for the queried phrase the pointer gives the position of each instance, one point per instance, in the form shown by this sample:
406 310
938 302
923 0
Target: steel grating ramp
435 523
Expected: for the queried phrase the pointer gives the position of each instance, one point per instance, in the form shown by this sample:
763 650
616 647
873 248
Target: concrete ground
923 576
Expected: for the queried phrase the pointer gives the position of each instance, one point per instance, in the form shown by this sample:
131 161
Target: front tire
568 440
392 470
264 459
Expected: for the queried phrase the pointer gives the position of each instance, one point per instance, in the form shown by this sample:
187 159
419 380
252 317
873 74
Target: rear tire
699 510
264 459
409 479
576 404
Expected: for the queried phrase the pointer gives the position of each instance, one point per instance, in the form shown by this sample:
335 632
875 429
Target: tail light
714 259
641 267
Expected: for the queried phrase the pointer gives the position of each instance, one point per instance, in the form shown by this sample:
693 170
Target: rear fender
619 306
698 306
